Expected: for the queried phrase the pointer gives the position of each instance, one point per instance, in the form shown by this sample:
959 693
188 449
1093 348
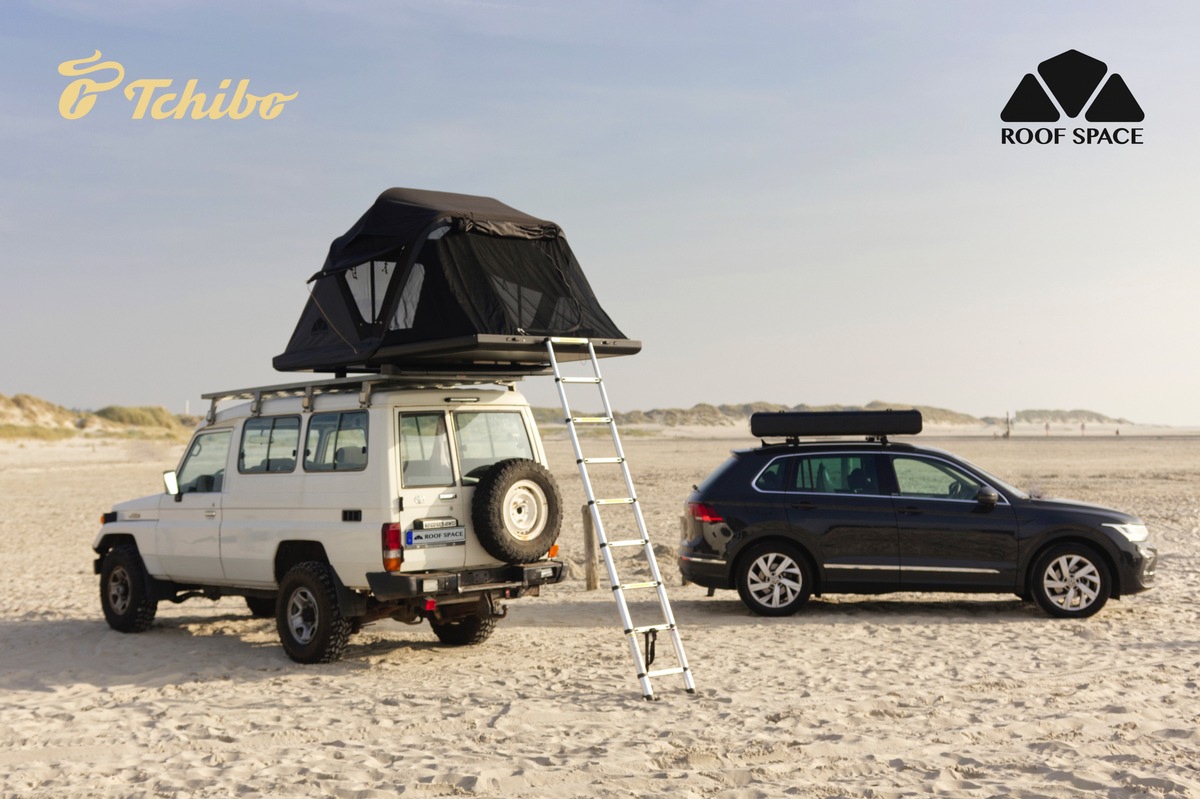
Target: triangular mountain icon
1072 77
1029 103
1115 103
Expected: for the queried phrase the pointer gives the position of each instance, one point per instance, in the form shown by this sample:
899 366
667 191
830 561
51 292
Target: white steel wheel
516 511
1071 581
525 510
773 580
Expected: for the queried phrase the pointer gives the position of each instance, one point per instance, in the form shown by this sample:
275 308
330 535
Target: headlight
1134 532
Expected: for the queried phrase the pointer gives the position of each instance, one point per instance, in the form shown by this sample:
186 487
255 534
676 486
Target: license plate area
427 537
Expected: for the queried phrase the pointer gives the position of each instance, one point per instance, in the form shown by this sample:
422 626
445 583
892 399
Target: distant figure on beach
1083 428
1047 428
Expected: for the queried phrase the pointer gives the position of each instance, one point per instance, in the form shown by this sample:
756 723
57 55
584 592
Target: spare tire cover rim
524 510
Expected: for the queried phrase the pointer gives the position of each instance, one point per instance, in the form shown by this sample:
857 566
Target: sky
791 202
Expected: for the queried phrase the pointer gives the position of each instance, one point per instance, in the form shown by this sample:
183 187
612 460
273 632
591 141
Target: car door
836 505
187 536
432 506
949 539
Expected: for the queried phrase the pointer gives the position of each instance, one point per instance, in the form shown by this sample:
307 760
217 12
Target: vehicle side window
424 450
336 442
488 437
203 469
269 444
772 478
921 477
837 474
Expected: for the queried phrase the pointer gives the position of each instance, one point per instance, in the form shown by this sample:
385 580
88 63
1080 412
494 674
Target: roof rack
875 424
365 385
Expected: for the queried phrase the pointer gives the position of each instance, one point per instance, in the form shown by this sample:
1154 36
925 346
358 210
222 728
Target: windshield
996 482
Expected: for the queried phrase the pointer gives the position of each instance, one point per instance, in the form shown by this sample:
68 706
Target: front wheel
774 579
1070 581
124 591
465 631
310 622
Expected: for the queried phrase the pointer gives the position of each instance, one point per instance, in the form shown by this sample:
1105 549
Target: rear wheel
773 579
465 631
310 622
124 591
1070 581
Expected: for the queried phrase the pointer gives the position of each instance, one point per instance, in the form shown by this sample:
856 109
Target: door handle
910 511
448 496
210 514
804 506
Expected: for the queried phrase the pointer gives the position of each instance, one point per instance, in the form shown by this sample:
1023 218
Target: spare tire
517 511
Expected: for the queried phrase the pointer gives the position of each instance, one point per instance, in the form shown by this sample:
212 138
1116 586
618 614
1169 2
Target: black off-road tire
774 579
261 607
1070 581
517 511
311 626
124 591
465 631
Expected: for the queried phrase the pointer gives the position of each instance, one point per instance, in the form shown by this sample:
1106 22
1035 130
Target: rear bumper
516 579
706 571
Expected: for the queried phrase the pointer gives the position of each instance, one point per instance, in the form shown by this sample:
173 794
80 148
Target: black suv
791 519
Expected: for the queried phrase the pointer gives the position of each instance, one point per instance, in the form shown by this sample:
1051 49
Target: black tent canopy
428 280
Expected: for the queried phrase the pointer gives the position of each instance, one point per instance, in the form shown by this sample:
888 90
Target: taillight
393 547
703 512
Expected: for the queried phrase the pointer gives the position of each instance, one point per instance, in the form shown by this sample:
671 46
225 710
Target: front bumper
514 580
1146 565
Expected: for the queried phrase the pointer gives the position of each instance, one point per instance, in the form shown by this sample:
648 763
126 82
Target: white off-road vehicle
335 503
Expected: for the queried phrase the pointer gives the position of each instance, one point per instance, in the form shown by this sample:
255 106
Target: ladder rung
619 501
648 628
651 584
590 420
567 340
601 460
579 380
665 672
629 542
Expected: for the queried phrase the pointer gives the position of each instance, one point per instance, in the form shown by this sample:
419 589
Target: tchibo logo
1076 83
151 95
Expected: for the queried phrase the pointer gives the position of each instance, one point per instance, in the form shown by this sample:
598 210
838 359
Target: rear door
433 510
835 503
948 539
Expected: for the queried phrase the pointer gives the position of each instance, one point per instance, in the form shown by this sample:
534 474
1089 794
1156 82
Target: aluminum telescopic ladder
642 658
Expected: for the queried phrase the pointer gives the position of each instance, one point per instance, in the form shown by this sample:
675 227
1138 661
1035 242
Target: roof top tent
430 281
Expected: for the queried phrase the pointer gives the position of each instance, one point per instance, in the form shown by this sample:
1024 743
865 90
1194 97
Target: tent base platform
513 355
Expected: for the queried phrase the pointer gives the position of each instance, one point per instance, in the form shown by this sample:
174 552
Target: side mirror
171 481
987 496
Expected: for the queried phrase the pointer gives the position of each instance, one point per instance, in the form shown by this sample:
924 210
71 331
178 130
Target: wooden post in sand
591 578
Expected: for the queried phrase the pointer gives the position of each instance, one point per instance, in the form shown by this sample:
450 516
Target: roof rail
365 385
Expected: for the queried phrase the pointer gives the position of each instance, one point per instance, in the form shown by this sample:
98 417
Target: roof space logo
1073 83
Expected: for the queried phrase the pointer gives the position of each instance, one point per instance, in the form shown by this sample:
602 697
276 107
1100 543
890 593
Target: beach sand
892 696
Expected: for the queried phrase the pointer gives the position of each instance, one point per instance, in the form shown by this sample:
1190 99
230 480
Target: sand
902 695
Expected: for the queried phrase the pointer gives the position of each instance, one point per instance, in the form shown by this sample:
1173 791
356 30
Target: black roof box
793 424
